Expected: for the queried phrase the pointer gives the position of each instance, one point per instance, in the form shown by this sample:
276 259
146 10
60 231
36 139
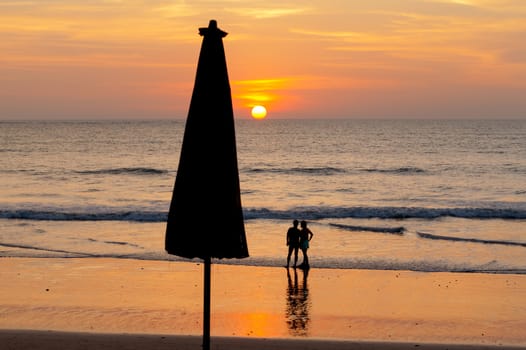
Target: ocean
426 195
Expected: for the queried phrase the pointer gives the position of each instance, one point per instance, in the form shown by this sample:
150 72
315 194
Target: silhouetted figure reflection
298 304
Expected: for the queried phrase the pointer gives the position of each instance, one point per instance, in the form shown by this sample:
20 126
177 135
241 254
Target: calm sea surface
408 195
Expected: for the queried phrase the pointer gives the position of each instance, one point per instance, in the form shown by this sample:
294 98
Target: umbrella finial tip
212 29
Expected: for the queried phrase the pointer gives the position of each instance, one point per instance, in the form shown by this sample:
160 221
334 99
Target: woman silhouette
305 237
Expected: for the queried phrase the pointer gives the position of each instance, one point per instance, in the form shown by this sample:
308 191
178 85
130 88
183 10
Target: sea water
426 195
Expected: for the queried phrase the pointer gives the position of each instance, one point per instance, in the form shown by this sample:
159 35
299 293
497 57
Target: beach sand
131 304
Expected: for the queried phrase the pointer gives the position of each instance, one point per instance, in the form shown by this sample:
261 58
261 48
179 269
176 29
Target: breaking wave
391 230
300 171
472 240
401 171
318 213
124 171
308 213
134 216
335 171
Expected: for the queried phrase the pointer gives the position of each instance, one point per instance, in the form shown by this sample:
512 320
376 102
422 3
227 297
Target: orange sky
102 59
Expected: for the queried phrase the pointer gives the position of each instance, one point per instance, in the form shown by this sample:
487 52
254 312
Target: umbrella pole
206 305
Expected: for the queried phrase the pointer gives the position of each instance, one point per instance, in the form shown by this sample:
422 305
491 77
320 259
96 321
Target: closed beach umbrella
205 219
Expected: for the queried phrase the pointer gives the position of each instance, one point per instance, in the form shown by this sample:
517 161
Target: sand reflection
298 303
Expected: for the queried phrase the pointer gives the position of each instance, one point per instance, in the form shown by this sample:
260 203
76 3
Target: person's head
303 224
295 223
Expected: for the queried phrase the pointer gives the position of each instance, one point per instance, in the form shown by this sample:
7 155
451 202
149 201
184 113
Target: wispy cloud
268 12
328 34
176 10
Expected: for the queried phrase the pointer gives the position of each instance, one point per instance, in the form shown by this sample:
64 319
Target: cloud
177 10
268 12
288 53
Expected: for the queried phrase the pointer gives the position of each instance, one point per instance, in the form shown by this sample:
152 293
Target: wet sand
131 302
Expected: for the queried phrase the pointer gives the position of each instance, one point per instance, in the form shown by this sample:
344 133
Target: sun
259 112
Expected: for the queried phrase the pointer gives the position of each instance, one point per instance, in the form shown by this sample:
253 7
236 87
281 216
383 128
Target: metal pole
206 305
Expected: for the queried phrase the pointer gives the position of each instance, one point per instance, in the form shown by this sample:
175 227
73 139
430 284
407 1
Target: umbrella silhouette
205 219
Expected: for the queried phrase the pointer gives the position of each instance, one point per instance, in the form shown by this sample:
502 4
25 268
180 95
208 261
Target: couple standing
297 239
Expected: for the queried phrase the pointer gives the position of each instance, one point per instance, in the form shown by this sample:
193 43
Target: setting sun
259 112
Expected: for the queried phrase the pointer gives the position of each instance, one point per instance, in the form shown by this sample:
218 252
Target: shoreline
256 304
47 340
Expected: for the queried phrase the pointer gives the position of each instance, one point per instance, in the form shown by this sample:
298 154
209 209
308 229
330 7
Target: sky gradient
111 59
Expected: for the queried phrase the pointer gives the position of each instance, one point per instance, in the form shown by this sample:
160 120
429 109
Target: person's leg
296 256
289 254
304 256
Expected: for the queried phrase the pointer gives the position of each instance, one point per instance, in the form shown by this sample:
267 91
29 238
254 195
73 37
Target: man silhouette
293 242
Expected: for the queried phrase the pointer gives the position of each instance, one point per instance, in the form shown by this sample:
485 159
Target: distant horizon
183 119
409 59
